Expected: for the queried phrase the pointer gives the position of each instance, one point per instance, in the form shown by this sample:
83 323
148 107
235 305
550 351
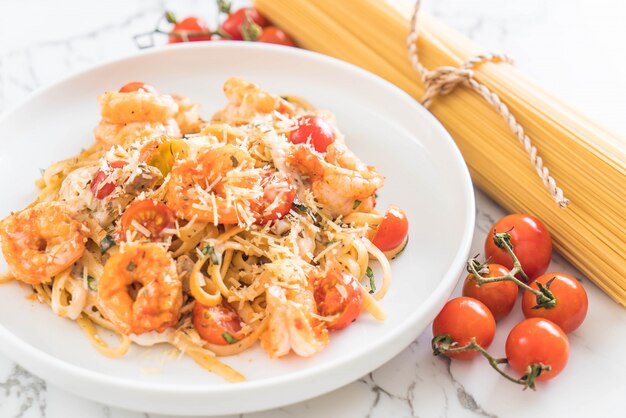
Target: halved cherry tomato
274 35
314 130
187 25
339 294
232 24
278 195
393 232
219 324
463 319
571 301
138 85
154 216
537 340
531 243
499 297
100 190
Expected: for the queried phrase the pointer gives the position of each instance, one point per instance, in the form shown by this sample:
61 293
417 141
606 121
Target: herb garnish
91 283
298 205
131 266
228 338
106 243
370 275
357 203
210 251
234 160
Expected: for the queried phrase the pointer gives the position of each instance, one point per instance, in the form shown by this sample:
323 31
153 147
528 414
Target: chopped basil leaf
370 275
228 338
357 203
131 266
106 243
298 205
234 160
215 257
91 283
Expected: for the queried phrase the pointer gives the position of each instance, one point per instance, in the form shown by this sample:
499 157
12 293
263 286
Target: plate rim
13 344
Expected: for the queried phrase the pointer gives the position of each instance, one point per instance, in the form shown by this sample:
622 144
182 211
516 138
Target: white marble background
573 47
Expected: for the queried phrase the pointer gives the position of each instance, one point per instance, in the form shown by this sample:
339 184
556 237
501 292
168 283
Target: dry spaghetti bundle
588 161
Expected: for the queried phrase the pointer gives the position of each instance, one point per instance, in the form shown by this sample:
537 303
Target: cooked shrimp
136 106
41 241
127 117
343 186
292 325
220 185
156 305
246 100
188 116
108 133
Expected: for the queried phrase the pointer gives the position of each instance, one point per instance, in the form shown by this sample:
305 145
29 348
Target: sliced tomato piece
314 130
100 187
393 231
219 324
147 216
278 195
339 295
138 85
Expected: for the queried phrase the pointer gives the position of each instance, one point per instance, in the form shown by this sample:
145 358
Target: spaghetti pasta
588 161
212 241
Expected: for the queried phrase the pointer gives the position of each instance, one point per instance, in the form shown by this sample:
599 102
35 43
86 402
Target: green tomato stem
444 344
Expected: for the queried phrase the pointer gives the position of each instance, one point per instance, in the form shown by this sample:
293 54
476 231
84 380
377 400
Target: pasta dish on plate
255 226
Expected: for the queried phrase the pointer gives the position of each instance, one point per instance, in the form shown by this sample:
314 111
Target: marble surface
574 48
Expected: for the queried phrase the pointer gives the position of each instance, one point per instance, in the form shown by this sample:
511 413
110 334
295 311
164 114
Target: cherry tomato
154 216
462 319
393 231
499 297
339 294
190 24
138 85
537 340
274 35
571 301
531 243
232 24
278 195
99 190
219 324
314 130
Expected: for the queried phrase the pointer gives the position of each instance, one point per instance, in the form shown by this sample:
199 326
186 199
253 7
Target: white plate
425 175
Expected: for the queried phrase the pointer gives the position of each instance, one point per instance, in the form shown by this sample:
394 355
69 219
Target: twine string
443 80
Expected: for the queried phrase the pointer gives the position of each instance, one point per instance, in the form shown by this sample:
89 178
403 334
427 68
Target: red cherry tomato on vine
531 243
274 35
339 294
219 324
138 85
537 340
393 231
189 25
571 301
462 319
499 297
232 24
153 216
100 190
314 130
